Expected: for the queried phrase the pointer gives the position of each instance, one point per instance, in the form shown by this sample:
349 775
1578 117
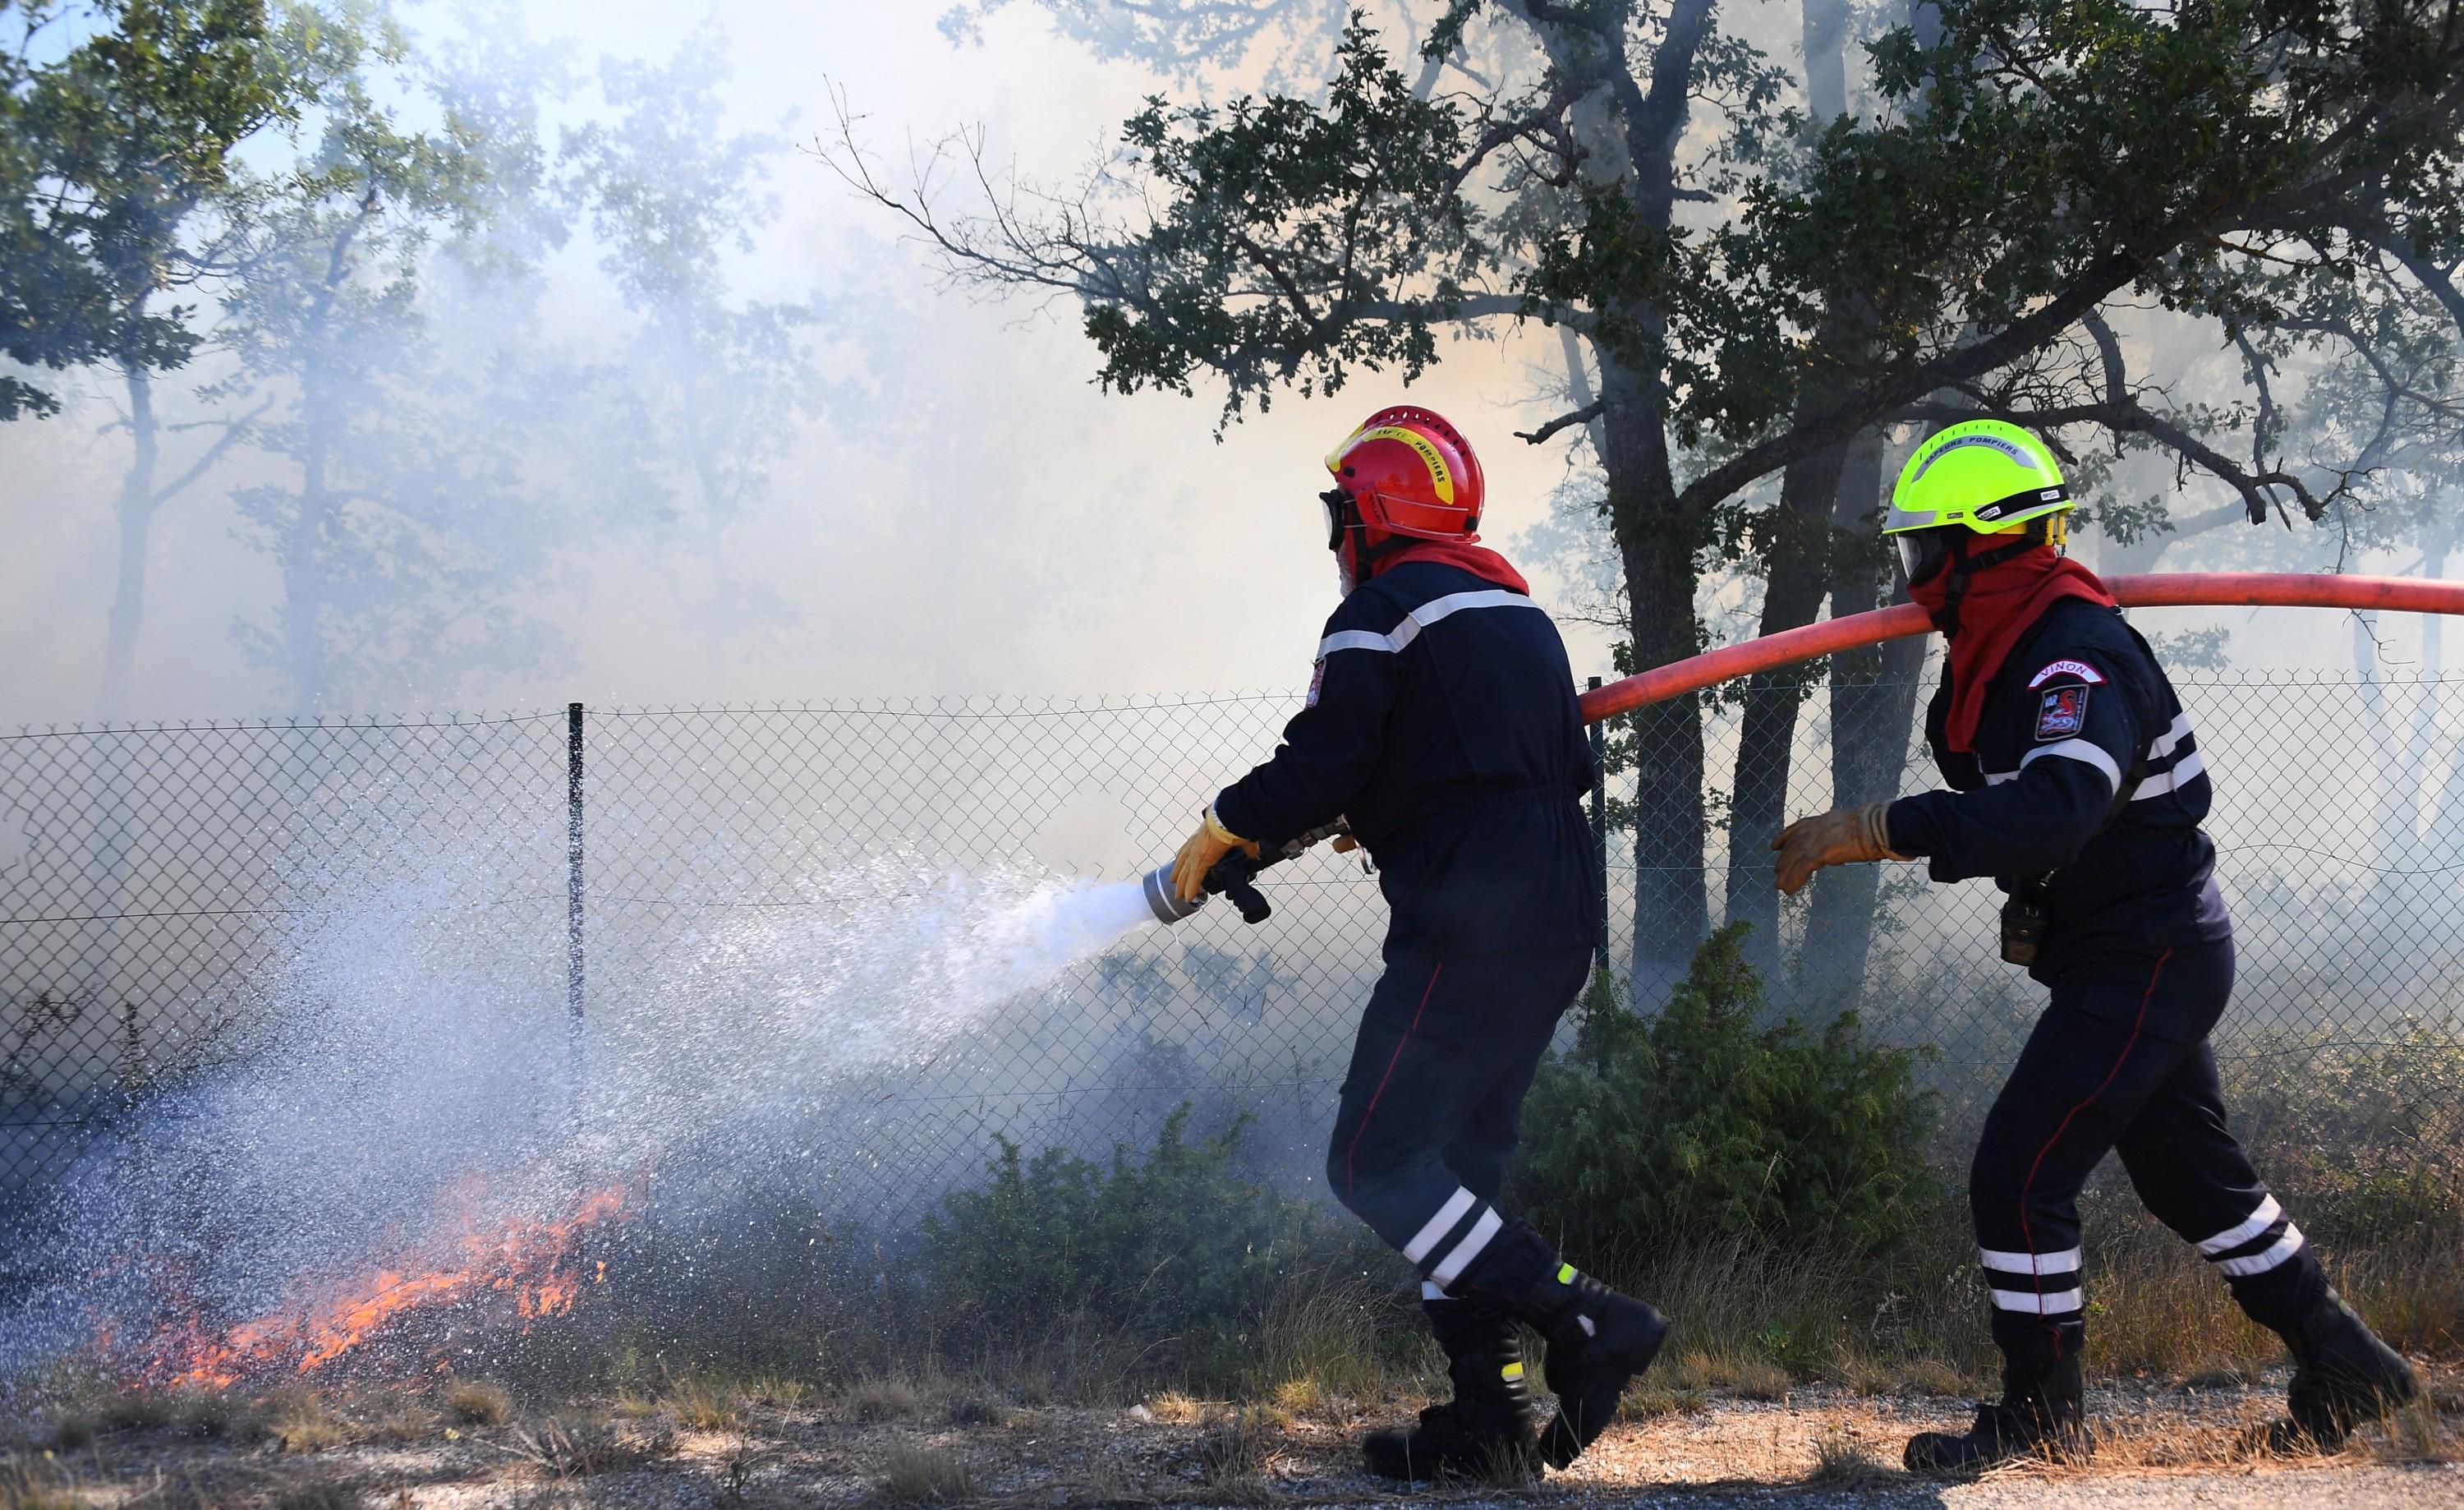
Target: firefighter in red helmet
1442 727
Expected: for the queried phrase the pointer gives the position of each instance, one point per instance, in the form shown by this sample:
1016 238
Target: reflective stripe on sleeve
2165 742
2082 751
2185 769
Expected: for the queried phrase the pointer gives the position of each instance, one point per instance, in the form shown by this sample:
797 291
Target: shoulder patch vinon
2062 713
2066 668
1317 681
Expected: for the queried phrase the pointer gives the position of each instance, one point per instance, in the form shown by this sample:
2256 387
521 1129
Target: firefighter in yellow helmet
2077 783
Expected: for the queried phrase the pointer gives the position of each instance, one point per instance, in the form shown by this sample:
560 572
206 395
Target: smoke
411 1082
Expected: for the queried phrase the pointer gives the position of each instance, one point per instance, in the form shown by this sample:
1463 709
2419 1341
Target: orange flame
530 1262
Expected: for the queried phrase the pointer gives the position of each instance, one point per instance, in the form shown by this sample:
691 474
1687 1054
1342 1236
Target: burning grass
479 1269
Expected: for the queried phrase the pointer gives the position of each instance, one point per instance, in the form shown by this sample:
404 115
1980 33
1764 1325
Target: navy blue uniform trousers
2119 1062
1431 1108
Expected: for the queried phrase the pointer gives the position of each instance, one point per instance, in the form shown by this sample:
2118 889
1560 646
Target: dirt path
2166 1450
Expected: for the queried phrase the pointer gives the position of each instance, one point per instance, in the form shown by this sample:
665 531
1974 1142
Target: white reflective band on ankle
1430 1291
1468 1249
2236 1235
1439 1225
2060 1303
2065 1262
2283 1248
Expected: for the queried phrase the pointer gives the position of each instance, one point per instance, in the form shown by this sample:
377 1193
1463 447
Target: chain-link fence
161 888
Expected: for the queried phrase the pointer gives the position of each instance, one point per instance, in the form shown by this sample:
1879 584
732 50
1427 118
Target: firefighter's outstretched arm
1329 749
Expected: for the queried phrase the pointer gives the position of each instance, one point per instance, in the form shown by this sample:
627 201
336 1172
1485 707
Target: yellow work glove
1200 852
1839 838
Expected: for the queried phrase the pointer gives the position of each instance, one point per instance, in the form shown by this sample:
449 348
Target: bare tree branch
1581 417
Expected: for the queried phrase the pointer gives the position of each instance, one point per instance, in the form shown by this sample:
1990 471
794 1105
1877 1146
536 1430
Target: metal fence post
1601 825
573 945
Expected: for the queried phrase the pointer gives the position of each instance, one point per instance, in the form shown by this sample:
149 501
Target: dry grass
37 1484
1240 1446
1698 1370
563 1449
701 1406
1175 1408
1338 1326
301 1421
1308 1399
214 1414
74 1432
1647 1398
138 1411
1843 1460
473 1402
883 1399
968 1409
395 1418
914 1474
326 1494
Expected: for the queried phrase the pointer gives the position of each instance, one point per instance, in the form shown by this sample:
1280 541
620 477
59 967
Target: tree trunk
99 948
1657 546
1873 713
137 508
1796 568
301 553
1797 576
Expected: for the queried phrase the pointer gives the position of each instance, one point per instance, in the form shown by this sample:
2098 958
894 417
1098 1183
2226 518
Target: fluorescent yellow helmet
1985 476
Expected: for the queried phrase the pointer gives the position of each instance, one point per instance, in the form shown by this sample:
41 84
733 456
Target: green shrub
1176 1245
2364 1140
1695 1123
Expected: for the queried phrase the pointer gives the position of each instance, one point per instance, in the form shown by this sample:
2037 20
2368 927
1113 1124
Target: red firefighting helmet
1406 472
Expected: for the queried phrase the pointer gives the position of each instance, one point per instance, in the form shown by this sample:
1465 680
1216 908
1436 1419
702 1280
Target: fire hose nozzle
1163 900
1234 876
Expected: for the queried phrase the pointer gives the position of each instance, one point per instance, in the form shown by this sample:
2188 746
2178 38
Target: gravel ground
2158 1449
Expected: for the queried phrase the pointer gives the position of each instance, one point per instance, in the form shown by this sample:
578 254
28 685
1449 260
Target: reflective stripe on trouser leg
1446 1245
2034 1284
2268 1264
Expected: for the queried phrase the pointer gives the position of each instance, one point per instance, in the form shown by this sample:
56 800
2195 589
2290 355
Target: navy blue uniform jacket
2079 711
1441 725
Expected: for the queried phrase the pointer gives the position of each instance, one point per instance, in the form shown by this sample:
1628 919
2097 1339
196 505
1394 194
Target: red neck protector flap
2003 602
1479 560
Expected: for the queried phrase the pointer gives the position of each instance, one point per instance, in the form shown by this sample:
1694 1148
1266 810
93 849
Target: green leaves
1696 1120
1177 1238
1296 243
105 151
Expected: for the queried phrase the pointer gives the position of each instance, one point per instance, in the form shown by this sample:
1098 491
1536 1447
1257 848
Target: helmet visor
1922 553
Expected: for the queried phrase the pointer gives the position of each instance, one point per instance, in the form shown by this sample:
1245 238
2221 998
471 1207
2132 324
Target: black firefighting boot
2342 1375
1486 1430
1598 1341
2042 1413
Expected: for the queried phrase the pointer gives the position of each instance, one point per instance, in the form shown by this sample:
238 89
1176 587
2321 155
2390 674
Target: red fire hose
2163 589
